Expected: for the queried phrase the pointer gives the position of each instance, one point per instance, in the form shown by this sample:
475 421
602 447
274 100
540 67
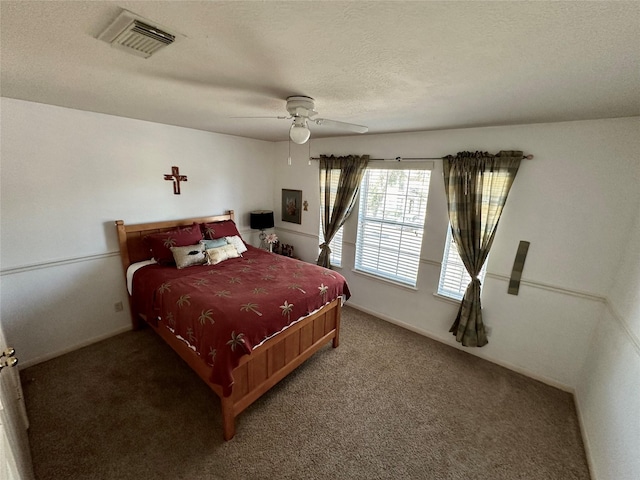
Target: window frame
407 275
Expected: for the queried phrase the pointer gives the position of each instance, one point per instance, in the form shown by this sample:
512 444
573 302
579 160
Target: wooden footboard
268 364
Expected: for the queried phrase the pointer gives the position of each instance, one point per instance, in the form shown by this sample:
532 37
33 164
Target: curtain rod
413 159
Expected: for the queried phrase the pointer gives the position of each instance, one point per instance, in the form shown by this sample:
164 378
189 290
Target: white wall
576 322
608 391
569 202
66 176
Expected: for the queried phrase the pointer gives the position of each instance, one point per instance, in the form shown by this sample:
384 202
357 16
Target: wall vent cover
136 35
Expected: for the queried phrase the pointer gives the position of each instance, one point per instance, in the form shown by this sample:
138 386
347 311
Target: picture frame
292 206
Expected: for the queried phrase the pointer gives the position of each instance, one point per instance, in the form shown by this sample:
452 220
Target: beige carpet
386 404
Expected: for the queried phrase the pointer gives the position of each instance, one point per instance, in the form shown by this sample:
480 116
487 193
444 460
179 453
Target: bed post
336 339
122 243
228 417
136 322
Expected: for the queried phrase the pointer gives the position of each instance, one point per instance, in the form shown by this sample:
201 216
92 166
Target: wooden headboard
130 237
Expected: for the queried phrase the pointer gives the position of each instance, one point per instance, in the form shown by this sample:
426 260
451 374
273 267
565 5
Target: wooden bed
268 363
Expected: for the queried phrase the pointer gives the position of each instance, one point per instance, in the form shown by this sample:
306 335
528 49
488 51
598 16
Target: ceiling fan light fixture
299 132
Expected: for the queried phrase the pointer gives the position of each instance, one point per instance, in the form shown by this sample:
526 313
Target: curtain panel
477 185
336 206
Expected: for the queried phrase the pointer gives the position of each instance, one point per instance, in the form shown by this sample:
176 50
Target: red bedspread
223 311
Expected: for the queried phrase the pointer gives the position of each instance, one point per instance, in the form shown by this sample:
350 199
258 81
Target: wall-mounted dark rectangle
518 266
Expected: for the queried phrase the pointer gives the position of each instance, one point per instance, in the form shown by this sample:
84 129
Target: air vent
136 35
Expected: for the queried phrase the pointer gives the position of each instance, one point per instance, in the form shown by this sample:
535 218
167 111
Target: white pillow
189 255
220 254
133 268
237 242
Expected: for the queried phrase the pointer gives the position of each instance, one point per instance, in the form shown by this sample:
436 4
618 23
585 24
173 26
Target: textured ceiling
393 66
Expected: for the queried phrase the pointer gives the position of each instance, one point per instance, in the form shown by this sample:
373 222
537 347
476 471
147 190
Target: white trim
385 280
474 351
295 232
624 325
431 262
57 263
77 346
552 288
496 276
444 298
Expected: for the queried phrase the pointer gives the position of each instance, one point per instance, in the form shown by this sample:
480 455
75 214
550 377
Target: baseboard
585 438
540 378
85 343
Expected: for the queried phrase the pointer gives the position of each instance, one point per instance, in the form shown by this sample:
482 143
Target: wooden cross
176 178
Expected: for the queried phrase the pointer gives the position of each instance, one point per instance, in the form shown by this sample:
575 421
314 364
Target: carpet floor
386 404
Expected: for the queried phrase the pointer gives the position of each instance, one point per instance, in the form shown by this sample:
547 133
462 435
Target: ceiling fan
302 110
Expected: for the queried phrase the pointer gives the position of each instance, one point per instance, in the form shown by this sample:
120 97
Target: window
453 275
393 207
336 243
454 278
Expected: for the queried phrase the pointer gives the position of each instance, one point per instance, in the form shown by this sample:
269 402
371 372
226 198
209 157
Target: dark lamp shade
261 219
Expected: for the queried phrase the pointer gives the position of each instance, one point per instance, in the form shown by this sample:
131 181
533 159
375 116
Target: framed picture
292 206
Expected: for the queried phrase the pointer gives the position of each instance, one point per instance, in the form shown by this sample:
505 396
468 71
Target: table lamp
261 220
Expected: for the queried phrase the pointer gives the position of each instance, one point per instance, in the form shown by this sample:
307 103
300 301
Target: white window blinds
393 206
454 278
335 245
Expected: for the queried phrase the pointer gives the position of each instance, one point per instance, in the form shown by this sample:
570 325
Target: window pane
454 278
336 243
393 205
453 275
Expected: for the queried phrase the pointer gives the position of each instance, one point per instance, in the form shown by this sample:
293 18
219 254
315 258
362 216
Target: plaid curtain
477 185
335 207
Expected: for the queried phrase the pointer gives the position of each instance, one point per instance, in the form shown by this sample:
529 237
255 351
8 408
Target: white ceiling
393 66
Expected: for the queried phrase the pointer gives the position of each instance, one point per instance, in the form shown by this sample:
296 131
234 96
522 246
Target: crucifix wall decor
176 178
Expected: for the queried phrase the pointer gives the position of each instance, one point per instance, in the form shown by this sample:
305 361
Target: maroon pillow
225 228
160 243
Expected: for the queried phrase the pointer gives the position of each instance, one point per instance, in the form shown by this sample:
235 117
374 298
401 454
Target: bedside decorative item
261 220
284 249
176 178
271 239
292 206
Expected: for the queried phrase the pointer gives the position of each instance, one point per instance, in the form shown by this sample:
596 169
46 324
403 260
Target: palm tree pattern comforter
224 311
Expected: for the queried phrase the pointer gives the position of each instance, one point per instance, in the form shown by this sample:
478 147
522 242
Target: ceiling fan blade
279 117
346 126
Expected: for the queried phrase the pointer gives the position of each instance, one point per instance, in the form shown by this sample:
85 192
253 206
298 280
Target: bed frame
267 364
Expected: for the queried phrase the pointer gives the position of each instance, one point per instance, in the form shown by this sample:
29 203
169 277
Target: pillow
189 255
237 242
220 254
133 268
226 228
160 243
218 242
